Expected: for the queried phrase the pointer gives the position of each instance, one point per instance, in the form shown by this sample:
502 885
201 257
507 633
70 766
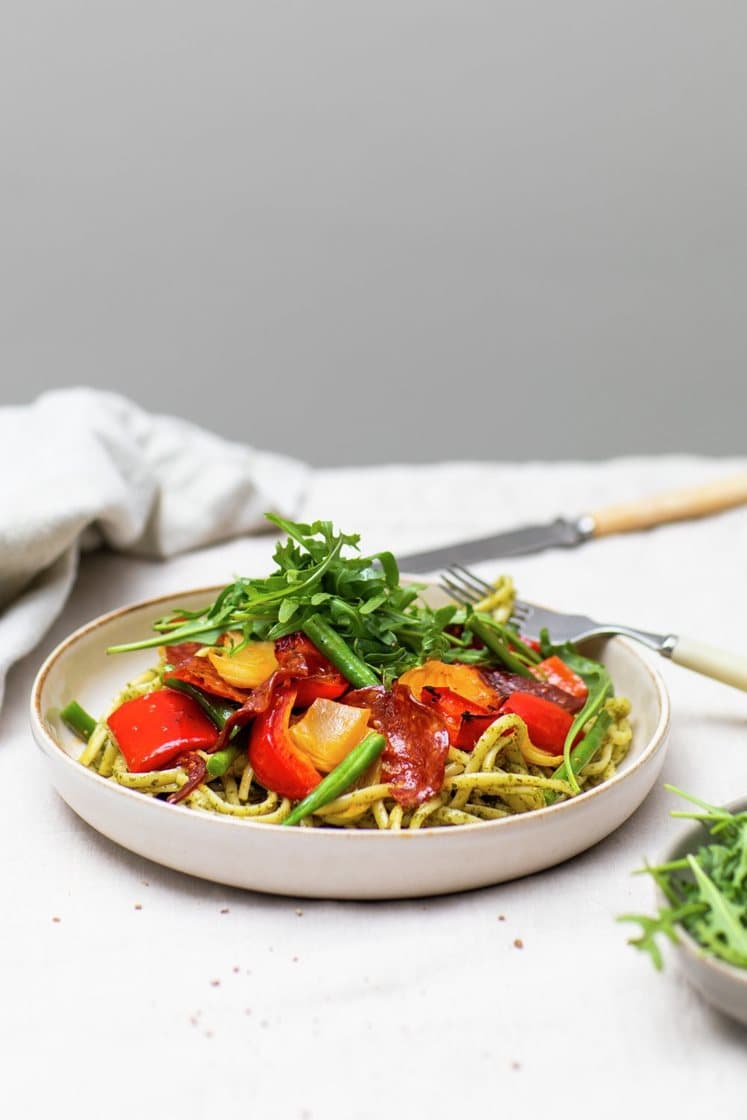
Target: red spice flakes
518 943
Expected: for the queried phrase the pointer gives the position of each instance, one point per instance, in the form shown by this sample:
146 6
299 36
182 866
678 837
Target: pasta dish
330 694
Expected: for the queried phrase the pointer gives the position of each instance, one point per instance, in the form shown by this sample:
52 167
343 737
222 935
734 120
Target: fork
730 668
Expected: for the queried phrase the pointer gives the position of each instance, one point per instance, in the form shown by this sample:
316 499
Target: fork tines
467 588
521 612
464 585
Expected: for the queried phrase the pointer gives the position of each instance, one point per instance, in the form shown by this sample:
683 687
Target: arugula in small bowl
702 903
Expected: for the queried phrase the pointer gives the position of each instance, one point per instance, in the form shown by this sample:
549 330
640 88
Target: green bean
584 752
218 713
490 636
219 762
78 720
530 655
338 780
337 650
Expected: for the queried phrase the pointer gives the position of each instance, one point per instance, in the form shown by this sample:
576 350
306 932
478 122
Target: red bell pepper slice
506 684
152 730
315 677
465 720
547 723
555 671
277 763
309 689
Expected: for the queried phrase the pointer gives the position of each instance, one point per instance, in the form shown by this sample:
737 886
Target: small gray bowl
722 985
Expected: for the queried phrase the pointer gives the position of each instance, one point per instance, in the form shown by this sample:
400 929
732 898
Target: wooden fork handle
697 501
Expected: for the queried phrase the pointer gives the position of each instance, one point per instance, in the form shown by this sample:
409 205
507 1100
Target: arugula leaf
386 625
664 924
724 918
600 688
706 890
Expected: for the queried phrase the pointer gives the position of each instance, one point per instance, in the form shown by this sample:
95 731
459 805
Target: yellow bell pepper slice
328 731
465 680
247 667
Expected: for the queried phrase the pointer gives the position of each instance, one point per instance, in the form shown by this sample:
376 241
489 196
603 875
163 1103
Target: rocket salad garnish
375 628
706 890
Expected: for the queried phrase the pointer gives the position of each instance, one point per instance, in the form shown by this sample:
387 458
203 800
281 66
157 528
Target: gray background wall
400 230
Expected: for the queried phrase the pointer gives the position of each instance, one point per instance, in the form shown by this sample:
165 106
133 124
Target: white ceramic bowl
722 985
325 863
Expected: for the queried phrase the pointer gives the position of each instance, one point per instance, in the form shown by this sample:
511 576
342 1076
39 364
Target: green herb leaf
706 890
320 573
599 685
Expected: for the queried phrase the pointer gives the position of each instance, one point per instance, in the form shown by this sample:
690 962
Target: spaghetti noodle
491 782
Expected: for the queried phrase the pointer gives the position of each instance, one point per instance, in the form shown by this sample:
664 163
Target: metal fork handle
660 643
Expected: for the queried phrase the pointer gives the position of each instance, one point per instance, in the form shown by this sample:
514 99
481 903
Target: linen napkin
86 468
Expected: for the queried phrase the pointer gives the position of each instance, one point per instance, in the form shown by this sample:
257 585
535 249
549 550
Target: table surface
132 989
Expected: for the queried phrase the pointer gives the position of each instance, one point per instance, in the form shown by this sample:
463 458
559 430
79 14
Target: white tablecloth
132 990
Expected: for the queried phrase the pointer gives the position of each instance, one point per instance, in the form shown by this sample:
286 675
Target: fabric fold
86 468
